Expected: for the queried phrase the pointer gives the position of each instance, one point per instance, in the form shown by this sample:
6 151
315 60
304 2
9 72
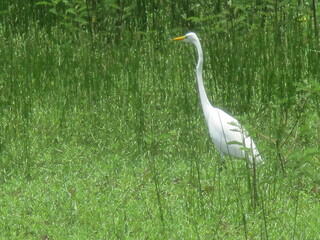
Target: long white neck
203 96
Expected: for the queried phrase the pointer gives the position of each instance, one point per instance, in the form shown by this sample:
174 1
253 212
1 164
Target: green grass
103 140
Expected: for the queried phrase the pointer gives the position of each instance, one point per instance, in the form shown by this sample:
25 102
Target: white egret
227 134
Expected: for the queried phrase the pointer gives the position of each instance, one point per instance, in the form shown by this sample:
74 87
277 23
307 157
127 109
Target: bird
228 136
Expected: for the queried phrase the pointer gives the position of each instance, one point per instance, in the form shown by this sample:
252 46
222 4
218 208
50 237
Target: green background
102 134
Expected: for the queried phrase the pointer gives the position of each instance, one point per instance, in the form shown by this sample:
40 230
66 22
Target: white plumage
225 131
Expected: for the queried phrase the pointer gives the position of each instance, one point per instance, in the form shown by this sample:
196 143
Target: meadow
102 134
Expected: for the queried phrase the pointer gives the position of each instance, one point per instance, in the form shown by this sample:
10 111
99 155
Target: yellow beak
179 38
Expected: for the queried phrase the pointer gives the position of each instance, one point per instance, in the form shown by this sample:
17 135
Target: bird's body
228 136
225 131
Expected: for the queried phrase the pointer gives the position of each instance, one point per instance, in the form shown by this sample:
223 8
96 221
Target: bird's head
190 37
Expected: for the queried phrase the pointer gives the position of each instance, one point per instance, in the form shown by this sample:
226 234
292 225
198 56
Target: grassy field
105 139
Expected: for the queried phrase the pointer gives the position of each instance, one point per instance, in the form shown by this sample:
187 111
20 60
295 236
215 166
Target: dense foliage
102 135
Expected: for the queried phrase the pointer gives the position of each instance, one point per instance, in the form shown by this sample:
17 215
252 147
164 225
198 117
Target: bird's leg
223 164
